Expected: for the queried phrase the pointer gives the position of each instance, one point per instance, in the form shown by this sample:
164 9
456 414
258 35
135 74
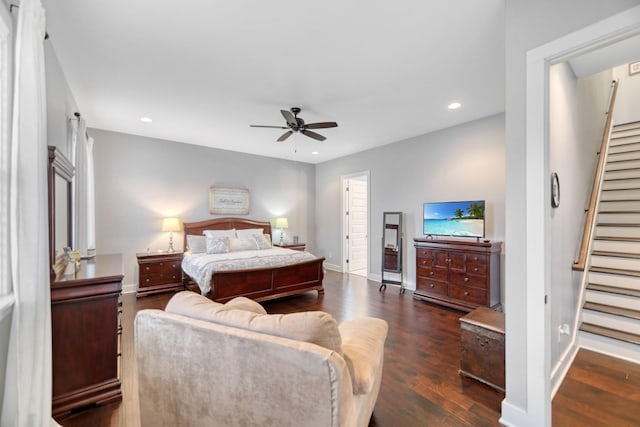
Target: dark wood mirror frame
60 166
392 249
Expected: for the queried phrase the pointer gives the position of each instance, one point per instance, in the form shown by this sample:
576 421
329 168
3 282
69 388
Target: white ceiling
204 70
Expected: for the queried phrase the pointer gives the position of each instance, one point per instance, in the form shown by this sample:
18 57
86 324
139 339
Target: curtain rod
12 6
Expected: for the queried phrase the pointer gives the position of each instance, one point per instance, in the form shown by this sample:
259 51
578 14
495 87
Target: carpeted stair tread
610 309
619 224
618 239
616 254
615 271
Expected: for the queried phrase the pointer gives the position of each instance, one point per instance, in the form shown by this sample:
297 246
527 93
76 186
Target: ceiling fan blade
321 125
291 120
313 135
285 135
274 127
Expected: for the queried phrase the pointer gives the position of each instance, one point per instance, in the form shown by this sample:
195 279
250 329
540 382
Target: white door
357 214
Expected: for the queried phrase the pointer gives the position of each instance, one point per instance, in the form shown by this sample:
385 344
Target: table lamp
282 223
171 225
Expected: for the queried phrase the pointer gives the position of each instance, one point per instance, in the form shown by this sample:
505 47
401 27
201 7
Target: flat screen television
460 219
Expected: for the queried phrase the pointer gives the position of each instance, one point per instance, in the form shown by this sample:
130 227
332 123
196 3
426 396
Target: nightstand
294 246
159 272
482 346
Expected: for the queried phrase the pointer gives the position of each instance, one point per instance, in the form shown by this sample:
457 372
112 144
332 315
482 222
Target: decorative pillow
261 241
241 245
231 233
196 244
248 232
217 245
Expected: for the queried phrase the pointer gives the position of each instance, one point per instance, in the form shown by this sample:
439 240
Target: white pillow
248 232
217 245
196 244
231 233
261 241
236 245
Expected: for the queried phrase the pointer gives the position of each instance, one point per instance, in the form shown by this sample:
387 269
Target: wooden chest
482 346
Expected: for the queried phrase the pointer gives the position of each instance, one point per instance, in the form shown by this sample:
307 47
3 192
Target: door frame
343 218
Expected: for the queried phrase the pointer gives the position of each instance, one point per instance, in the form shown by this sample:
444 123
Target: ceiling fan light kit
297 124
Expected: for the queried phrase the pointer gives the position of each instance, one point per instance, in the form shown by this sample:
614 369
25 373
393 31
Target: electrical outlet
563 330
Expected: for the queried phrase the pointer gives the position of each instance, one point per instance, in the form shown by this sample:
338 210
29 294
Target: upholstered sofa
201 363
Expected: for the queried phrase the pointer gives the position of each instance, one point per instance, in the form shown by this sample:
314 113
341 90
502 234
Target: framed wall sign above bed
229 201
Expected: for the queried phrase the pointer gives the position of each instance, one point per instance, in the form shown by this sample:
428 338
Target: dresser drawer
476 259
468 294
424 253
468 280
424 262
431 286
432 273
477 269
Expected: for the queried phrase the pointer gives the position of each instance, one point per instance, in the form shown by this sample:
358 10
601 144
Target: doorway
355 223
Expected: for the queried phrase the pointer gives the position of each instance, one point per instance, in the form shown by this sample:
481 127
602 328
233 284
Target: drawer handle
466 279
161 264
431 273
475 258
466 293
173 265
432 286
147 268
147 280
173 277
424 262
475 269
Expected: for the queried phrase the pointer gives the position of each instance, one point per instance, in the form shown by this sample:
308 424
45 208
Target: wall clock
555 190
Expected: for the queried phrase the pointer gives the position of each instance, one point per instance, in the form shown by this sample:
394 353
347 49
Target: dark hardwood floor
420 386
599 391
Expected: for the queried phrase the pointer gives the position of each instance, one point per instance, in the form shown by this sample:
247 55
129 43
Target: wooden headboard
196 228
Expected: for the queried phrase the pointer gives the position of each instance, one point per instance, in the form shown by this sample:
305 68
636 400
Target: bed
258 283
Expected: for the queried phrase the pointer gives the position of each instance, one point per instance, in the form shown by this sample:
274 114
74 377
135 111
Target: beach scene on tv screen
465 219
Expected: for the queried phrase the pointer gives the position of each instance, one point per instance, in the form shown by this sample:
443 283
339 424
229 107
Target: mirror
60 175
392 249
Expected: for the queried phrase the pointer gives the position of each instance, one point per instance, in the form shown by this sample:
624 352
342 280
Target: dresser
159 272
459 274
85 335
482 346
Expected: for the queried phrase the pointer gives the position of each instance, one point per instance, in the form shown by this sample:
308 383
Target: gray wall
576 123
627 107
465 162
141 180
528 25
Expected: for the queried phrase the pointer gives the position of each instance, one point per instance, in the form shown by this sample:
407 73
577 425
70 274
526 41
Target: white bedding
200 267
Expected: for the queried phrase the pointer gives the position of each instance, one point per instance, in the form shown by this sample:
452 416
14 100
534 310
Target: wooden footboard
262 284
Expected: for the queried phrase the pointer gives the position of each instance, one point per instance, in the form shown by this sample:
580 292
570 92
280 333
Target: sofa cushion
316 327
196 306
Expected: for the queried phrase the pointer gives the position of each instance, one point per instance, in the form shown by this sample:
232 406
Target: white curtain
27 393
83 188
6 43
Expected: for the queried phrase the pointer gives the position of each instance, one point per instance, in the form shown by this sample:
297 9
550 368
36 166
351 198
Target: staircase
611 312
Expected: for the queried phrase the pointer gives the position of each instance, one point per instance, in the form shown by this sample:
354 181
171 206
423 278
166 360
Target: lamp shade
282 222
171 224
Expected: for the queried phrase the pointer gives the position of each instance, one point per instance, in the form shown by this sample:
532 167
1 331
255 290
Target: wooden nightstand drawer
294 246
160 267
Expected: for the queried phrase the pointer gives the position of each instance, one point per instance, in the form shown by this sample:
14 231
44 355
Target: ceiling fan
296 124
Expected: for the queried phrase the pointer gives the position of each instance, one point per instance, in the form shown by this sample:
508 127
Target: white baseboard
562 367
130 288
333 267
513 416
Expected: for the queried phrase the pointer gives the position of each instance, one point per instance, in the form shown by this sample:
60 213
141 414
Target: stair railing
597 181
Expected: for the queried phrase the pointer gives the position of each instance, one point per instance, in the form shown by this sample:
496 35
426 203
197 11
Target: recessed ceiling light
454 106
145 119
314 152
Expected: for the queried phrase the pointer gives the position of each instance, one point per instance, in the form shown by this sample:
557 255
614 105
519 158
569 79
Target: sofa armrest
363 347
